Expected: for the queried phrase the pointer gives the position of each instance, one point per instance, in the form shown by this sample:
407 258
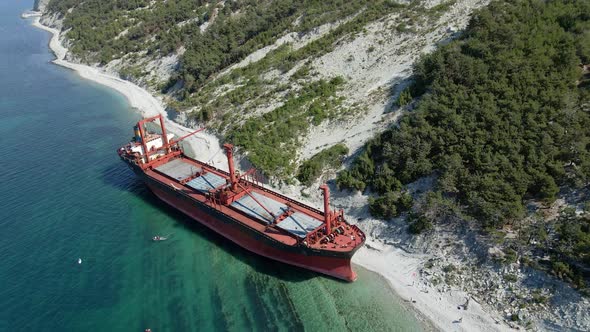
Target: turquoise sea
65 195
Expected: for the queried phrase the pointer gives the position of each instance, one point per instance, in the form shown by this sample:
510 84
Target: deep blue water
64 194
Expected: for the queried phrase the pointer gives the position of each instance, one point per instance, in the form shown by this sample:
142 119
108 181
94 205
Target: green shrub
419 224
391 204
510 277
347 180
312 168
272 140
449 268
405 202
384 206
538 297
404 98
562 270
510 256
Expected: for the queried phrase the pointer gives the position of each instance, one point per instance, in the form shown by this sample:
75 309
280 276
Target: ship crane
234 180
166 144
327 213
230 161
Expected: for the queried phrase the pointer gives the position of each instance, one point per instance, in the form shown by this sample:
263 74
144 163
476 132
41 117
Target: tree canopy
503 114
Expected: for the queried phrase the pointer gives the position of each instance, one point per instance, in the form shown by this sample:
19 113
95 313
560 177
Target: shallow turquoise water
64 194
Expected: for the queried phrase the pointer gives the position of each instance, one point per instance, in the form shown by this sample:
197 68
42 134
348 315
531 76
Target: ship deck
197 180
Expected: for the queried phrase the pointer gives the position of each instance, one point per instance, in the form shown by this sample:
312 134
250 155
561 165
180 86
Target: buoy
79 260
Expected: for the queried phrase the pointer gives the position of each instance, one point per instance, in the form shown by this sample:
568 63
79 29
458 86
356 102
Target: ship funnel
230 161
326 191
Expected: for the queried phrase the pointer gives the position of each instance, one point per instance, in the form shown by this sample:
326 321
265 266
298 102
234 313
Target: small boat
79 260
159 238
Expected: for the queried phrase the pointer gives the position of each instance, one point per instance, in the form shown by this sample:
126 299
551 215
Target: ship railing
358 231
129 158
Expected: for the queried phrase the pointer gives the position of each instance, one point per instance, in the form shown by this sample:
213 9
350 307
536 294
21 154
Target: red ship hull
240 209
338 267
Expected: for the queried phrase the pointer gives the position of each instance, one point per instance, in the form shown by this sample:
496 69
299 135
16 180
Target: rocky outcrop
40 5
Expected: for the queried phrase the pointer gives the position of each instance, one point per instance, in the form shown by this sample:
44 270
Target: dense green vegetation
504 117
390 205
282 59
272 140
104 30
257 27
504 114
312 168
572 247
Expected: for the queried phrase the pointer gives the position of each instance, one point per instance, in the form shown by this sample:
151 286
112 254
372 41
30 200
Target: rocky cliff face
40 5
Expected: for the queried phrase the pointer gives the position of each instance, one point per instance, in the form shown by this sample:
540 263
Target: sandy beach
444 310
205 146
401 269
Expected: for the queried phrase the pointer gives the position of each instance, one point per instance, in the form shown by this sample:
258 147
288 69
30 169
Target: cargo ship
240 208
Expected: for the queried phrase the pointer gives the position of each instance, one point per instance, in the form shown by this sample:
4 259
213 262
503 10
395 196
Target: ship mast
230 161
166 145
327 214
164 136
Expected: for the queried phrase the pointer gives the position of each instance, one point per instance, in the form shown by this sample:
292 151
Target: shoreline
139 98
399 269
441 309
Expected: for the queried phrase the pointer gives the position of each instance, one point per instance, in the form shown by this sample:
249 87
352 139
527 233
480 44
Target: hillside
503 121
501 134
265 74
